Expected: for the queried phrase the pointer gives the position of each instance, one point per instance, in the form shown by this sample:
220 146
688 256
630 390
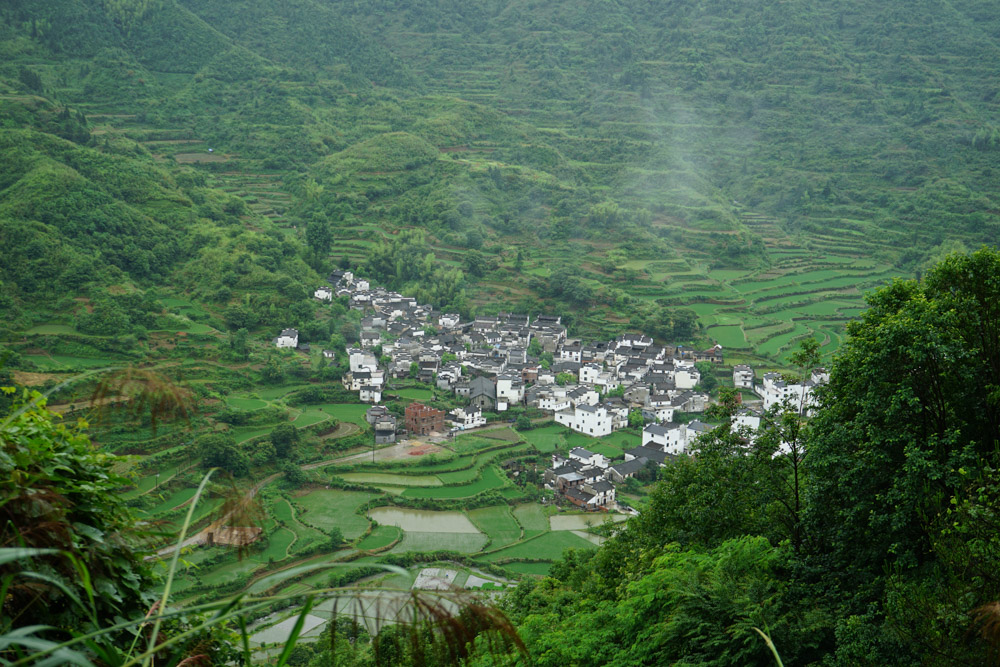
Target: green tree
284 437
908 426
708 382
238 343
59 492
635 419
319 236
219 450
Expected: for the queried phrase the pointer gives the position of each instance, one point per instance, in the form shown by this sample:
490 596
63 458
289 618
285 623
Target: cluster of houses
486 362
589 387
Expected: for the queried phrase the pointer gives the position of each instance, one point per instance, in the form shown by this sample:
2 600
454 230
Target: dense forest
801 183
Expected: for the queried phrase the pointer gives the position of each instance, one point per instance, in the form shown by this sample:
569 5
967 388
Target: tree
284 437
238 343
272 372
908 426
319 236
219 450
535 347
523 423
635 419
708 382
59 492
565 378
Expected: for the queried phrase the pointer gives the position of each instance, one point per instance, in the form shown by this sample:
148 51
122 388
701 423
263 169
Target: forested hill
758 163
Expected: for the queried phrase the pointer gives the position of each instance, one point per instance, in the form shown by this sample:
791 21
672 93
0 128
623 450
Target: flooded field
423 521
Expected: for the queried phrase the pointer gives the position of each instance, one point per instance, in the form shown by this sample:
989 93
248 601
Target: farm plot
306 536
498 523
464 444
334 508
608 450
491 479
548 546
381 537
277 546
413 393
389 479
466 543
423 521
728 336
345 412
582 521
536 569
245 403
532 518
174 500
310 417
546 439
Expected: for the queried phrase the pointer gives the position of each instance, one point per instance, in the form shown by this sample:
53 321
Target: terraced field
527 536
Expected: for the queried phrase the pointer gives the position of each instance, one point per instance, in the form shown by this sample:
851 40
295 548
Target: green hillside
178 176
760 165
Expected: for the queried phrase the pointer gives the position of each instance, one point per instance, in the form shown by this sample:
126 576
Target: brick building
422 420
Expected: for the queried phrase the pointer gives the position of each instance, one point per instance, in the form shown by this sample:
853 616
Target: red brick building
421 420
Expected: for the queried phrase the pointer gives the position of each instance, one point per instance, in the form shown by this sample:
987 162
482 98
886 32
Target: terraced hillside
624 163
450 500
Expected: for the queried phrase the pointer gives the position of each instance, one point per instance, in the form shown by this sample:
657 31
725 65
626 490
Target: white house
361 360
324 294
592 420
370 394
587 457
603 493
665 437
743 376
820 376
510 390
589 373
448 320
361 285
662 406
466 418
747 423
693 430
571 350
288 338
686 378
776 390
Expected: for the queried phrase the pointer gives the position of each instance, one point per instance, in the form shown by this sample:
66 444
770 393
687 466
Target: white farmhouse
370 394
324 294
776 390
667 438
589 373
448 320
589 458
743 376
466 418
288 338
686 377
592 420
361 360
510 390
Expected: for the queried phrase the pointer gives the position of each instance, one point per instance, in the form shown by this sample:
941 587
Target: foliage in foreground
891 558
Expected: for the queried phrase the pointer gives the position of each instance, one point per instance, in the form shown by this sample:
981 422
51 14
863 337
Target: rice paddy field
522 537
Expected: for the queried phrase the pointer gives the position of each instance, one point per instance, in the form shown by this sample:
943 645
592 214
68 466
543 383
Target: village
495 363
